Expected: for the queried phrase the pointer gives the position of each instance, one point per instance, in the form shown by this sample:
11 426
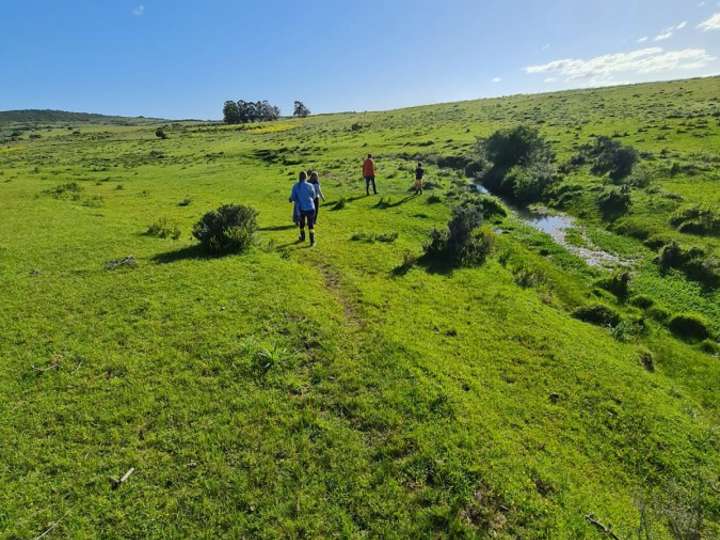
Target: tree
231 113
301 111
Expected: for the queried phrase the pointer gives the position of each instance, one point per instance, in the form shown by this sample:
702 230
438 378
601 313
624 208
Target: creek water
557 227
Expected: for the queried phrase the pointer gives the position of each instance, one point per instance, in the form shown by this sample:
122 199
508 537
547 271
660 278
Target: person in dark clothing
369 174
315 181
419 174
303 194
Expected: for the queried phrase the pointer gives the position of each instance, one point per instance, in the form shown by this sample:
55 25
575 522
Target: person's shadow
277 228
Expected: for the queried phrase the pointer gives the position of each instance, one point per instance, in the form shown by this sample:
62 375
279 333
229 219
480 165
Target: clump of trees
300 110
243 112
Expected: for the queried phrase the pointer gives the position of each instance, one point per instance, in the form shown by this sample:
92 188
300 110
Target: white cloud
713 23
497 80
681 25
603 69
550 80
663 36
643 39
139 11
701 4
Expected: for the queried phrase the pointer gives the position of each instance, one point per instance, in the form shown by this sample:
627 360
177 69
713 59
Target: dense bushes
598 314
696 220
517 146
693 262
618 284
608 156
614 202
464 243
689 327
528 183
228 229
516 162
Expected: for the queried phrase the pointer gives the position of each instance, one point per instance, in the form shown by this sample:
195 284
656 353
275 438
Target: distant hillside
52 116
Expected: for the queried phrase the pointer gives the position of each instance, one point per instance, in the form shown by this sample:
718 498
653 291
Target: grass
296 392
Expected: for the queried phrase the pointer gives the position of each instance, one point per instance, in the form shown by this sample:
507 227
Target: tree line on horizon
243 112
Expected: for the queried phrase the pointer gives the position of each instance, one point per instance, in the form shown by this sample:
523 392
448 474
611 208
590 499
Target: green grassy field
302 393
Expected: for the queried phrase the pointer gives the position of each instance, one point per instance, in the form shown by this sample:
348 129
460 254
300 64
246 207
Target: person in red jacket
369 174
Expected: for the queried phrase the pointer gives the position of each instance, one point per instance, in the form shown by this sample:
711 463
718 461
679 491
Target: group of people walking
306 195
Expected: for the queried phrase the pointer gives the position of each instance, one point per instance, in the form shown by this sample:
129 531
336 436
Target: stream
557 226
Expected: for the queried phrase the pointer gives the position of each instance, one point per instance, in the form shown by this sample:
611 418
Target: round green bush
229 229
642 301
659 314
598 314
689 327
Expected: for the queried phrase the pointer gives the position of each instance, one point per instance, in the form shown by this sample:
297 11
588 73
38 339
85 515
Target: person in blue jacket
303 194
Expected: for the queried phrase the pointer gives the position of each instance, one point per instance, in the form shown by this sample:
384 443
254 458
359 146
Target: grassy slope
397 405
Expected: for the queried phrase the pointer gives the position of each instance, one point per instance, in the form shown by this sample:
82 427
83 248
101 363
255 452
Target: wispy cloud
713 23
639 62
545 47
643 39
139 11
668 32
497 80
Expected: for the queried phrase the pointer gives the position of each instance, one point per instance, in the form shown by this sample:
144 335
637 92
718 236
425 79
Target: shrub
598 314
693 262
462 243
477 168
230 228
527 184
434 199
612 158
437 244
71 190
340 204
642 301
476 249
526 277
160 133
614 202
491 206
659 314
696 220
689 327
618 284
163 229
647 360
710 347
519 145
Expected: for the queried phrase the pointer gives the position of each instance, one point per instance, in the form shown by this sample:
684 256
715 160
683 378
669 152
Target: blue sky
183 59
